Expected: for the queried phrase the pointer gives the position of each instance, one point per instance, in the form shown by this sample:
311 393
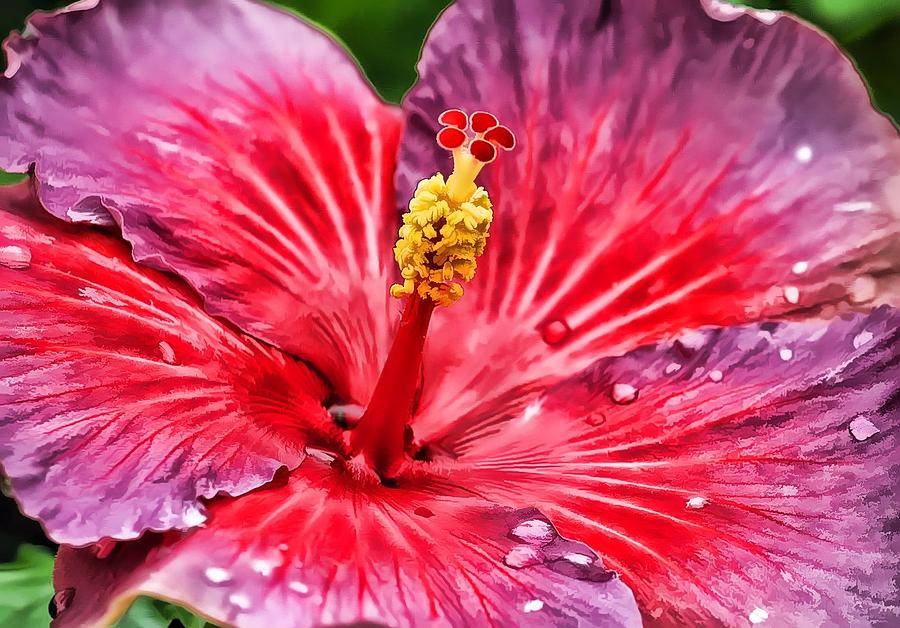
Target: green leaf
26 586
8 178
147 612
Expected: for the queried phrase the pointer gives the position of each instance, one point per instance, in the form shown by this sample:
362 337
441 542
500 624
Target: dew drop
555 332
263 567
15 257
595 419
861 428
282 547
792 294
61 601
217 575
346 415
803 154
863 289
534 531
862 338
748 43
167 352
240 600
672 368
298 587
785 354
533 606
696 503
758 615
716 375
423 512
578 559
523 556
800 267
624 393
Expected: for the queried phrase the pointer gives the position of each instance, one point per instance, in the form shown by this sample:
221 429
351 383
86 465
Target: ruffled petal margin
121 403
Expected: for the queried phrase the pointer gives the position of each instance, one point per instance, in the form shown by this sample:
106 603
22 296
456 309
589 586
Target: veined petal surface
122 403
675 168
236 145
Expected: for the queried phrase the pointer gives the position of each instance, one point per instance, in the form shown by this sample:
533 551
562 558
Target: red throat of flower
443 234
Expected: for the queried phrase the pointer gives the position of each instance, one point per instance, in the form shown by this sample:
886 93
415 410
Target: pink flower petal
121 402
672 171
766 488
237 146
326 549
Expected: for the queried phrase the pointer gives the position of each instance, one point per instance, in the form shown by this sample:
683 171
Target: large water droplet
15 257
533 606
862 338
803 154
555 332
61 601
716 375
534 532
239 600
758 615
800 267
696 503
863 289
167 352
217 575
298 587
861 428
346 415
785 354
792 294
624 393
523 556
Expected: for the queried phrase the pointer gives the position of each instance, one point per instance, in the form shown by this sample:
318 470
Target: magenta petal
731 470
326 549
672 171
237 146
121 402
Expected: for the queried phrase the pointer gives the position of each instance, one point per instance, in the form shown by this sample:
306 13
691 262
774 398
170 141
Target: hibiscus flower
662 390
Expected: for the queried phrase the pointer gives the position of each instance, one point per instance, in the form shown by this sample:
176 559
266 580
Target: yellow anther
443 234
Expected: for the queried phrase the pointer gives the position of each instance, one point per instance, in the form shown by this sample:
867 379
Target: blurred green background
385 36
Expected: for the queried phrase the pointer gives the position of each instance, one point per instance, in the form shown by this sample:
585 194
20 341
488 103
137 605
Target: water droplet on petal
595 419
532 410
758 615
716 375
696 503
861 428
532 606
862 338
792 294
282 547
863 289
785 354
578 559
624 393
346 415
167 352
217 575
748 43
15 257
264 567
61 601
555 332
673 368
803 154
298 587
800 267
534 531
423 512
523 556
193 517
240 600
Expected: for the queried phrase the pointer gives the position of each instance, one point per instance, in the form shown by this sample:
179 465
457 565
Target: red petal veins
502 137
455 118
449 138
482 121
325 550
483 151
260 170
122 403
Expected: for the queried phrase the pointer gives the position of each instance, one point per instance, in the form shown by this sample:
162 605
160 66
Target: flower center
443 234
